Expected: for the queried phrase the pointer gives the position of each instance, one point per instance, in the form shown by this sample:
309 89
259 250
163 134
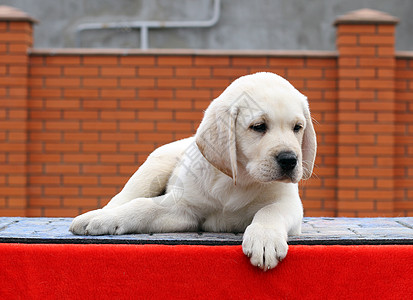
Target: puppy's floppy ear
216 139
309 145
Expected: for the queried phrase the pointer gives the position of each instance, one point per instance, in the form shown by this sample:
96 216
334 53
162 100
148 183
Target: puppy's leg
141 215
151 178
265 240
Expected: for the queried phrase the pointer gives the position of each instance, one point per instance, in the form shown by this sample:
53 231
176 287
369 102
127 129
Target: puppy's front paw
266 247
97 222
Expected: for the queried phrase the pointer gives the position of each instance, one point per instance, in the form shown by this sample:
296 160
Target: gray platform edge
315 231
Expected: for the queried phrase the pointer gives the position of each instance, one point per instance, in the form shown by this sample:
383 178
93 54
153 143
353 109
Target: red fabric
202 272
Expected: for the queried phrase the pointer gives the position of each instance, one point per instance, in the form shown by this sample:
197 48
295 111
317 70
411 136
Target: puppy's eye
259 127
298 127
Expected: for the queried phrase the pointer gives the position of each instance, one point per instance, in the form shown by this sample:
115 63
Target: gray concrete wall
244 24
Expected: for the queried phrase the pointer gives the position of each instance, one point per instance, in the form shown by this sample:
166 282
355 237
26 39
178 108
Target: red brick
174 60
249 61
97 147
174 104
321 62
81 93
348 61
320 84
45 71
356 28
62 125
357 50
136 147
357 72
174 83
195 116
99 169
193 94
99 125
137 104
381 150
81 71
62 82
286 62
81 136
174 127
117 137
386 29
351 39
13 59
10 37
18 70
80 158
156 71
376 172
355 205
80 115
60 212
62 148
118 71
193 72
376 40
161 93
100 82
100 60
137 126
100 104
62 60
144 60
117 115
378 84
155 115
212 61
80 201
118 158
45 136
20 26
357 139
230 72
159 137
378 128
357 116
376 62
385 51
211 83
99 191
118 93
305 73
112 180
376 106
356 161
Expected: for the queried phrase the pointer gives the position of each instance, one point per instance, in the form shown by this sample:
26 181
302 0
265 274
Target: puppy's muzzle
287 161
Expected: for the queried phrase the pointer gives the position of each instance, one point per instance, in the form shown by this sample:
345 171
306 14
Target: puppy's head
262 125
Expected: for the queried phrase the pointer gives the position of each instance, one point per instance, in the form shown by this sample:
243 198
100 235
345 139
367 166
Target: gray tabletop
315 231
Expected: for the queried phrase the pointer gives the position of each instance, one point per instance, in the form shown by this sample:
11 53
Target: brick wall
76 123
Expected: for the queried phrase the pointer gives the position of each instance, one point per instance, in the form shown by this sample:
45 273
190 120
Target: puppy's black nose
287 160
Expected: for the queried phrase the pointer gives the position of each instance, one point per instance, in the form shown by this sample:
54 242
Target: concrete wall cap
8 13
366 16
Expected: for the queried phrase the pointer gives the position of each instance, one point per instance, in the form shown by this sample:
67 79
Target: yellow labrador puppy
240 172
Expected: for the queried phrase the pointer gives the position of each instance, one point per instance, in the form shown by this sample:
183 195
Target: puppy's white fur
226 178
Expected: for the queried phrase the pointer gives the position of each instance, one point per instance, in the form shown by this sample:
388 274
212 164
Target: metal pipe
144 26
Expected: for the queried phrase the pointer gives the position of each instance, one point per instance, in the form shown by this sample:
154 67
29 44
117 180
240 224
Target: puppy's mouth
287 178
268 172
276 177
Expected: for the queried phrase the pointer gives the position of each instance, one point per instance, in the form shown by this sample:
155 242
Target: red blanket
202 272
